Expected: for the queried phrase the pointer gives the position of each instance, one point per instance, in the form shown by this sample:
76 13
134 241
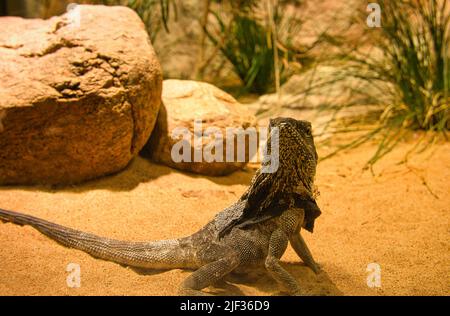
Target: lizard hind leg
208 275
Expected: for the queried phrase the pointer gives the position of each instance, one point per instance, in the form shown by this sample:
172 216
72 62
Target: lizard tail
163 254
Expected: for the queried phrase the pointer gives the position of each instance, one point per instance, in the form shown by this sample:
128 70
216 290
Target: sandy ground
398 219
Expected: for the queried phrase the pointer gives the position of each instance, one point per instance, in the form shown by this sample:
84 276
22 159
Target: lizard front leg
277 246
300 247
208 275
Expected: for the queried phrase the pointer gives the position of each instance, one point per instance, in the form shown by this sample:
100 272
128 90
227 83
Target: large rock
80 95
186 101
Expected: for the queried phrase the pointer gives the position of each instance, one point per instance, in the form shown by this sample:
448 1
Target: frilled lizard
253 231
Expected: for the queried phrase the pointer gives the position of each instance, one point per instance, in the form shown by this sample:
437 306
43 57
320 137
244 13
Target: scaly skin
253 231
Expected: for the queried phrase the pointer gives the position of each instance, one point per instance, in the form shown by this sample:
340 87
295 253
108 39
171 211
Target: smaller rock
196 108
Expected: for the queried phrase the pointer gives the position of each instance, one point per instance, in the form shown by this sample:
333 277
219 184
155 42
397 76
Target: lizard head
297 151
297 132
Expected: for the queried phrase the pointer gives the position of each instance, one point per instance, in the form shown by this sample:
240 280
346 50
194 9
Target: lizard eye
307 128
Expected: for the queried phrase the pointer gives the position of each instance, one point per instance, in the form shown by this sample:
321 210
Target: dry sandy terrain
392 219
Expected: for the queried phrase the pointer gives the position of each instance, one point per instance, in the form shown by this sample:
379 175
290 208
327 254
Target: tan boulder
80 95
184 103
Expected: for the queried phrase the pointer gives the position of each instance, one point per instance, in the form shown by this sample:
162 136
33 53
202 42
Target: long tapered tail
164 254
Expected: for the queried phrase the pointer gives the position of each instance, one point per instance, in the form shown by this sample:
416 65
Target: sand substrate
398 219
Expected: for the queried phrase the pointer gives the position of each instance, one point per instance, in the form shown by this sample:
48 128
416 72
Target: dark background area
3 8
22 8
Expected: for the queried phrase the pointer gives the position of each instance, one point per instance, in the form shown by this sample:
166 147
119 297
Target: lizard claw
316 268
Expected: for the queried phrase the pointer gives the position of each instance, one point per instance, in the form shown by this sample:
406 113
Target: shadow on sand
310 283
140 170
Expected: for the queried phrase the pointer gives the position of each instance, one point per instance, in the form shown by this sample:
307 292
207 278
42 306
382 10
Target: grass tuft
406 72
